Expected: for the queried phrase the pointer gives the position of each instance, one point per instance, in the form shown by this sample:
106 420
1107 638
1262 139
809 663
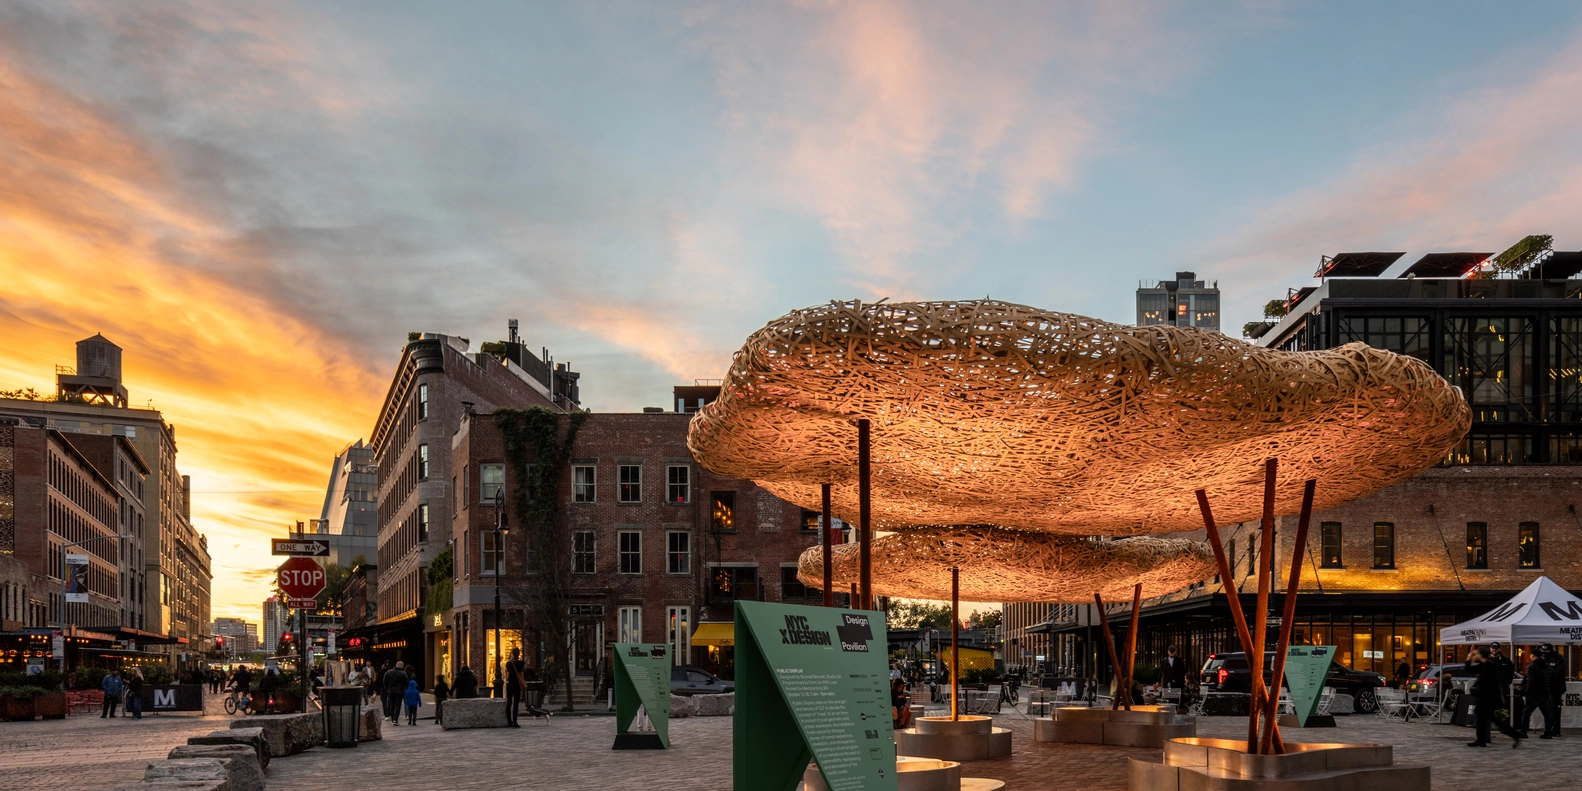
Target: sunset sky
259 200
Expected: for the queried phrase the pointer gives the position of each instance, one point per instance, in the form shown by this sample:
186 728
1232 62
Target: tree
986 619
333 598
918 614
26 394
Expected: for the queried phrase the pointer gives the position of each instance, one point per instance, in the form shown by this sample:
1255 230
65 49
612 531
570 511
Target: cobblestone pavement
86 752
574 753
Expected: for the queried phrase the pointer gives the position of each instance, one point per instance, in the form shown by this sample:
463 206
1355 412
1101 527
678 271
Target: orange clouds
95 236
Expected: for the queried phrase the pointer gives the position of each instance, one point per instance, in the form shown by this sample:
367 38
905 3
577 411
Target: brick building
435 383
1386 572
661 548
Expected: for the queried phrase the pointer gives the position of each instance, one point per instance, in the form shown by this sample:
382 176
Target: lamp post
500 532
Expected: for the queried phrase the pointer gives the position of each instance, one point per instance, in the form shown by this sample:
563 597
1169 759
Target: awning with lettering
1542 613
715 634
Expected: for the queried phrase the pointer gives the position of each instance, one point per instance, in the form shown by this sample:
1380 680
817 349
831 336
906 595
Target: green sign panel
1306 666
812 683
642 677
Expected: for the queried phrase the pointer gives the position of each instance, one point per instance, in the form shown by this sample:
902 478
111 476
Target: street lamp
500 532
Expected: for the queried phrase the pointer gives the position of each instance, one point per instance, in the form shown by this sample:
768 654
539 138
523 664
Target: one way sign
300 547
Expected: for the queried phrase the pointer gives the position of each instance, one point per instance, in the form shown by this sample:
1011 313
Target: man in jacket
1505 669
1175 669
1486 691
111 685
1537 681
395 689
1557 689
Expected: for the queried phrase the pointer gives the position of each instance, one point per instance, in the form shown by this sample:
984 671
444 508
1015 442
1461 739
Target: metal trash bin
342 715
533 694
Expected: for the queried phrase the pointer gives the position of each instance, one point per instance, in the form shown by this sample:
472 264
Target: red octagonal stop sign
301 578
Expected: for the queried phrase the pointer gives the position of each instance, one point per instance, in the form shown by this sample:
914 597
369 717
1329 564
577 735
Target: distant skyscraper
240 634
1183 302
275 624
350 518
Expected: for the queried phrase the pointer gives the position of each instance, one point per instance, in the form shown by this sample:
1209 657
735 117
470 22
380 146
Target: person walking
1557 689
1486 691
1536 681
414 701
1506 671
466 683
112 687
513 687
1175 669
134 693
441 694
394 690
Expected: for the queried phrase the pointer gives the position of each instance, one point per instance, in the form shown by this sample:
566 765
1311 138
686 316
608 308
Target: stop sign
301 578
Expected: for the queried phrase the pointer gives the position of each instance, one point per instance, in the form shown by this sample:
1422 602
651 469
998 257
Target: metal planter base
1194 764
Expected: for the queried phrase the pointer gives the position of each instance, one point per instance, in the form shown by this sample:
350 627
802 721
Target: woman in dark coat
441 694
466 683
1486 691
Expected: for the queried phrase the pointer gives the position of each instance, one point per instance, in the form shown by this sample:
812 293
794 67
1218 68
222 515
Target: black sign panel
173 697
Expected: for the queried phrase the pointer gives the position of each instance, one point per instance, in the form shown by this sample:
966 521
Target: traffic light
219 642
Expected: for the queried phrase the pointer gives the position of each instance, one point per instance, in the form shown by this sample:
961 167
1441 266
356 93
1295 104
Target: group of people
1542 688
116 689
397 689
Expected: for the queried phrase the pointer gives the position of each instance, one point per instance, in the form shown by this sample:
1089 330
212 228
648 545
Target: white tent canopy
1542 613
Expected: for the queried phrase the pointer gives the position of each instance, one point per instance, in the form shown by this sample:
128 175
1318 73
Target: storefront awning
715 634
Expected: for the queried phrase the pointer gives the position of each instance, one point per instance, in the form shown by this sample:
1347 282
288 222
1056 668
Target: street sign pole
303 654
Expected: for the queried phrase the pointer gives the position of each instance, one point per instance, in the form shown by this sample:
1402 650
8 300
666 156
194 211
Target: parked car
1229 672
689 680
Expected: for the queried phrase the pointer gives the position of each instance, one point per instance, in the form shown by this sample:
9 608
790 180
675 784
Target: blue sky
259 200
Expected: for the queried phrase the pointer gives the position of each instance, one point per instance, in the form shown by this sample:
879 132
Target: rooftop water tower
97 379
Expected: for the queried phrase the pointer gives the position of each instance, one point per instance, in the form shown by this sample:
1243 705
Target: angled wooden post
1288 615
1131 644
1232 593
1260 628
829 552
1109 644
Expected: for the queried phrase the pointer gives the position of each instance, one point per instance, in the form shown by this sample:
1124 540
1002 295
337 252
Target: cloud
1485 167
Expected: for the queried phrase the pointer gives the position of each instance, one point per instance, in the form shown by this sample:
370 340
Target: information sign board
642 678
1306 667
812 683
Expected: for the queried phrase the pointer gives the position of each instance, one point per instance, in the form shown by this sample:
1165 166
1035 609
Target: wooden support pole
1273 743
955 639
1131 644
1260 628
1232 593
1109 645
828 527
864 507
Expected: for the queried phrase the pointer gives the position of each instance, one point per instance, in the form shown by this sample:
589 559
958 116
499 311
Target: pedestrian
134 693
395 683
1537 679
1557 688
266 690
1403 674
1175 670
1486 691
112 687
513 687
414 701
466 683
1507 670
441 692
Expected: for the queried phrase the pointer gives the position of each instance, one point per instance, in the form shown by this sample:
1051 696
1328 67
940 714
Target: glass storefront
509 639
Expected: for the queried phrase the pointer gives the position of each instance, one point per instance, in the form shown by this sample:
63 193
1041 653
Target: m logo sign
164 698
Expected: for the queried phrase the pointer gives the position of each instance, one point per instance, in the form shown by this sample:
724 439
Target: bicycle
1008 690
238 700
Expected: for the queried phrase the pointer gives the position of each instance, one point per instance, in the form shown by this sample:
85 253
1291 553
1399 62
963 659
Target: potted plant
51 705
19 702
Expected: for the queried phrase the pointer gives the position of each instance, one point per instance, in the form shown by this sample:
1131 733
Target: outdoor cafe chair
1392 703
1325 700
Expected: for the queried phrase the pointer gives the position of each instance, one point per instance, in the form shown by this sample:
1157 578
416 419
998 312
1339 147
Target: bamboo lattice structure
1015 565
987 412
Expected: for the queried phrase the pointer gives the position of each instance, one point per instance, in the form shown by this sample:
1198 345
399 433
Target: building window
1527 546
491 479
422 521
791 588
631 483
422 462
422 402
678 552
491 557
629 624
1477 545
582 478
1383 545
722 508
582 545
810 520
631 551
729 582
678 484
1329 552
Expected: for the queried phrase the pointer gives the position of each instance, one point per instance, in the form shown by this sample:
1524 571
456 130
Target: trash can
533 694
342 715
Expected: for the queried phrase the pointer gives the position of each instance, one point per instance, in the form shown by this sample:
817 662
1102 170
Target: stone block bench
1142 726
242 769
721 705
459 713
286 734
1193 763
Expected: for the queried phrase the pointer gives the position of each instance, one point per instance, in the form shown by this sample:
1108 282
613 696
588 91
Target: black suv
1230 673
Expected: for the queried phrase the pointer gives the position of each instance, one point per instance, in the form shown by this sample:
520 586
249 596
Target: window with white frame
491 554
582 479
629 624
491 479
678 484
678 552
631 483
582 545
631 551
422 461
422 402
422 521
